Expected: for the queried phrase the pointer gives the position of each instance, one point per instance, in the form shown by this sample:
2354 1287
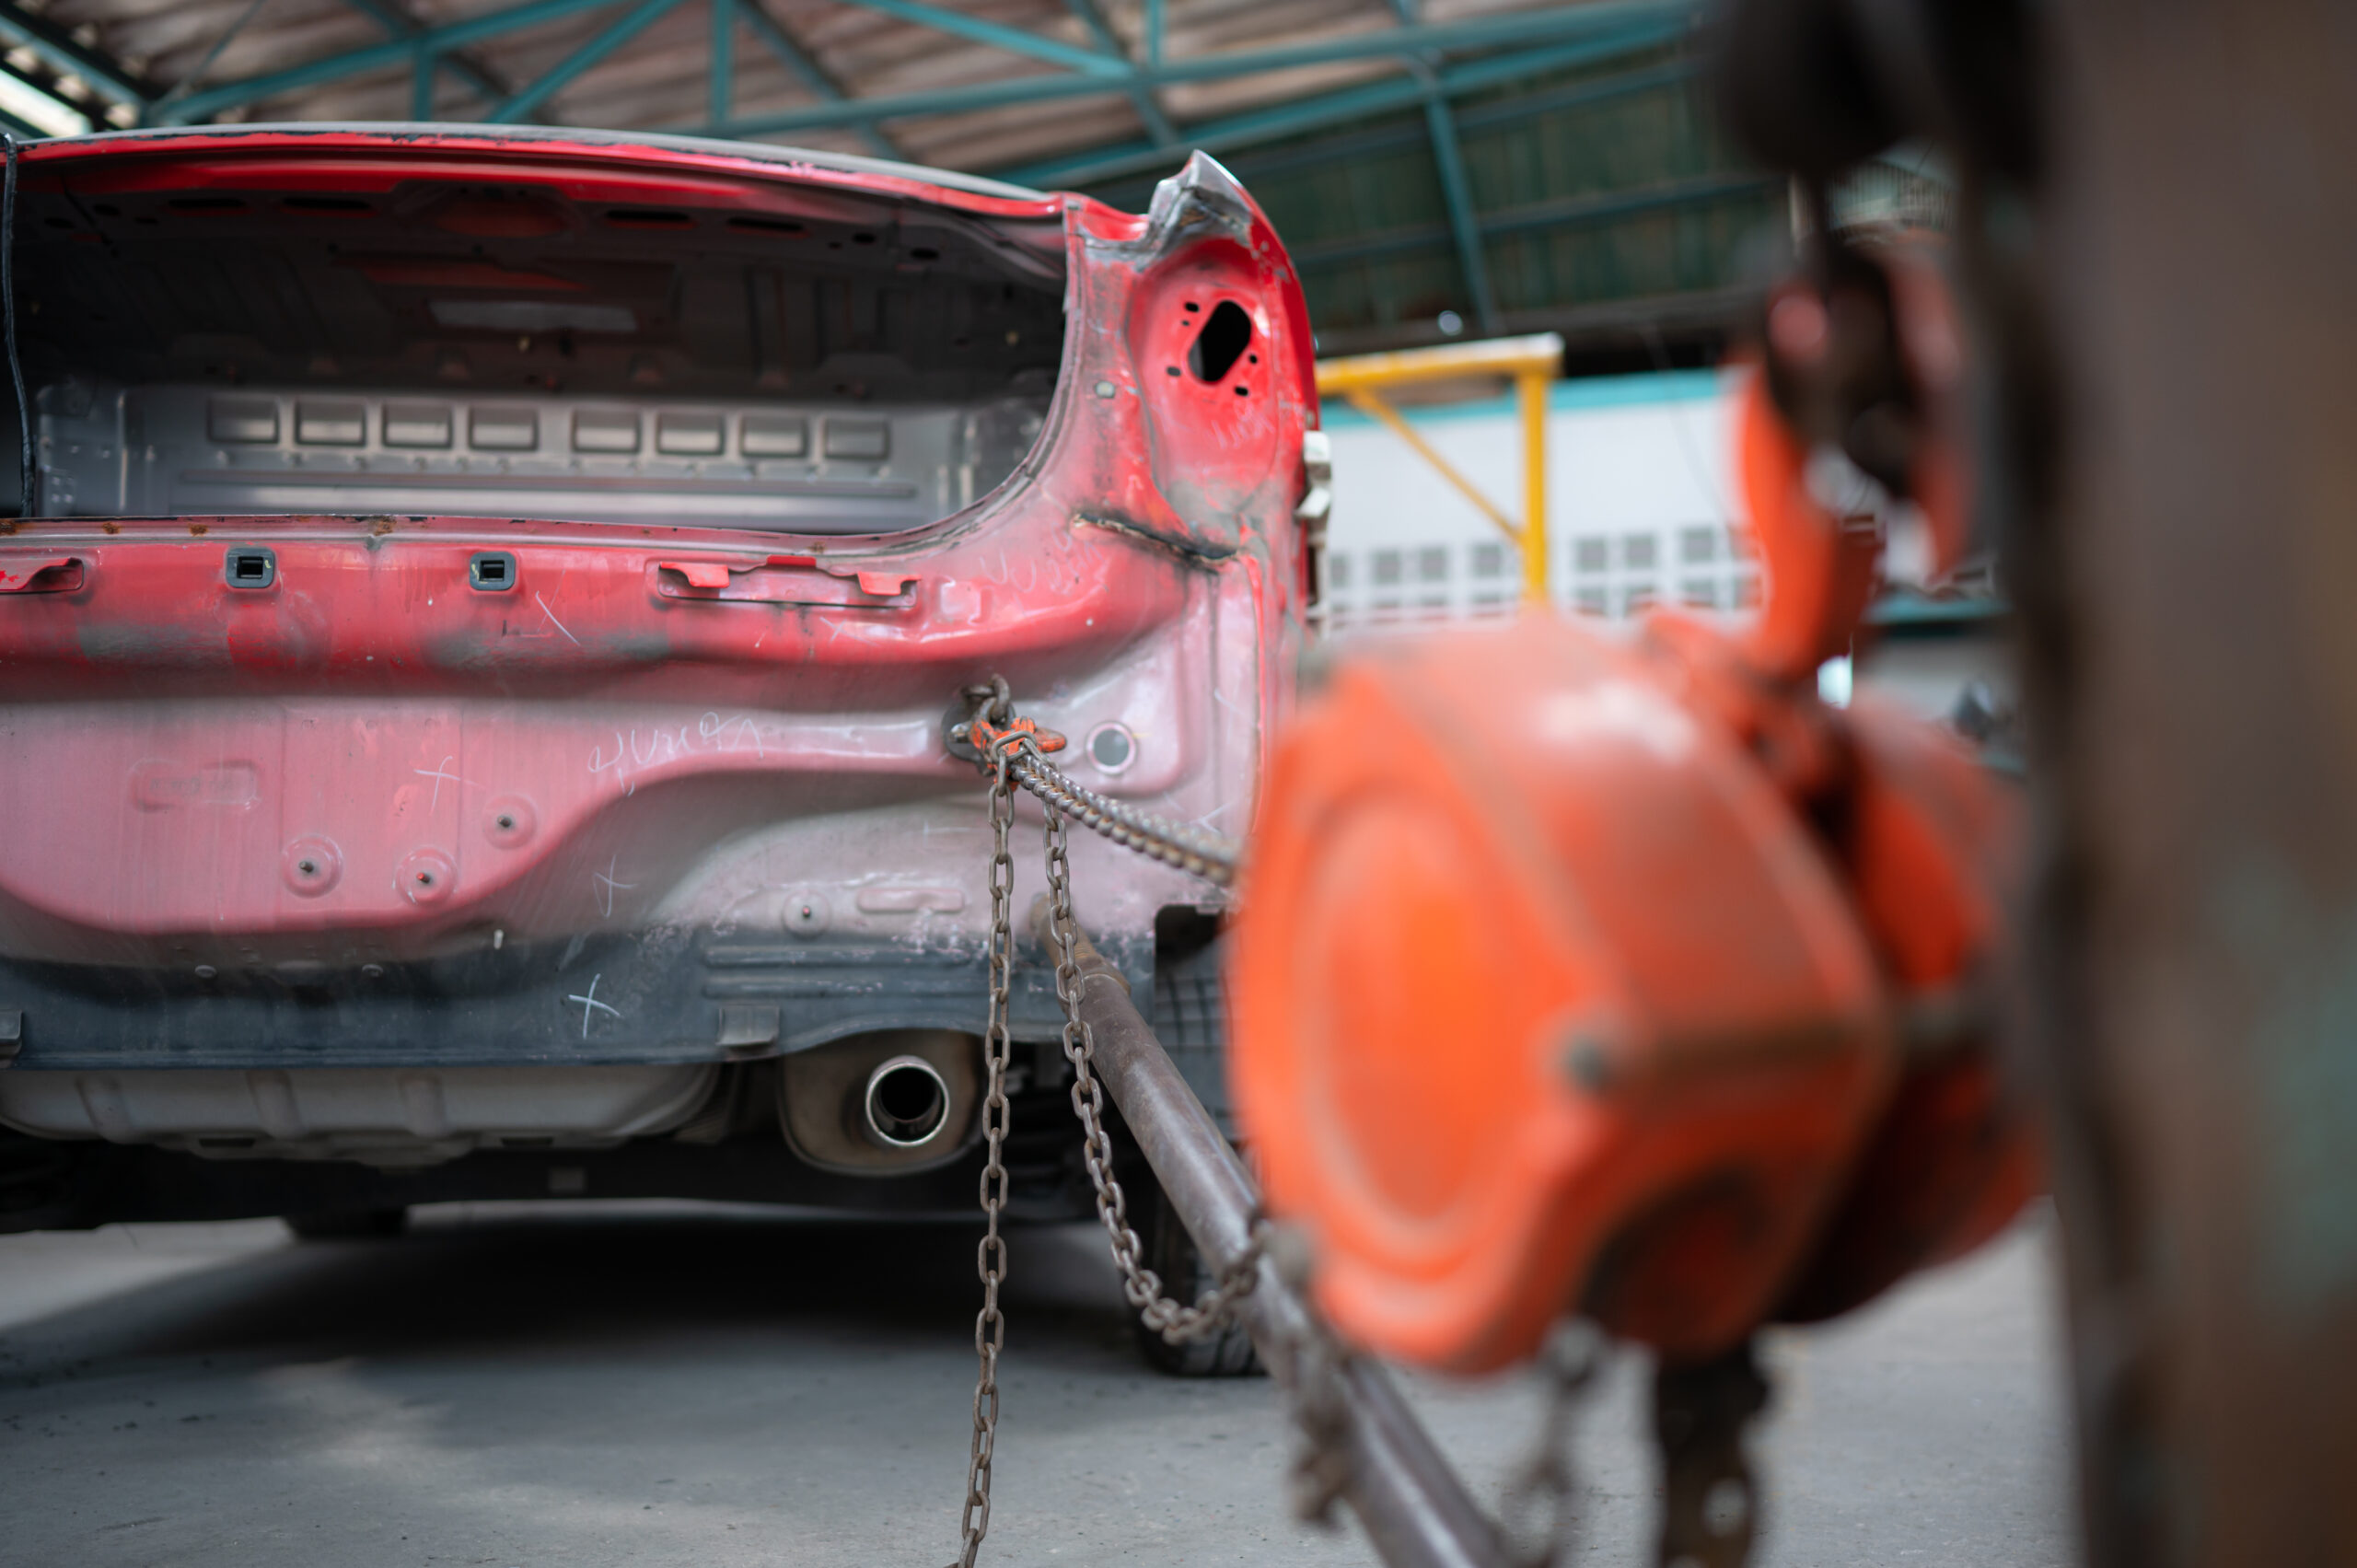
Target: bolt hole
308 867
425 878
506 823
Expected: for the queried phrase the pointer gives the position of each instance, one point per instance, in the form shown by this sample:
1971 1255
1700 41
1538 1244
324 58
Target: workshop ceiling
1439 166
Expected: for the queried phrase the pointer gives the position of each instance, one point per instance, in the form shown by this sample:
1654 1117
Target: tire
1170 1252
348 1225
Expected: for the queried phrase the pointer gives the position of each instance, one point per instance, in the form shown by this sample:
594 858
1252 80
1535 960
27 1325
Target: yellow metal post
1531 387
1531 362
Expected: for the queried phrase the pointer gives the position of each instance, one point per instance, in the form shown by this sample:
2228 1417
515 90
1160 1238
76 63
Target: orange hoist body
1575 972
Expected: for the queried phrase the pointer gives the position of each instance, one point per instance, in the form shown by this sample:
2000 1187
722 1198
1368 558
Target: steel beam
209 101
1456 189
1457 196
398 23
1370 140
566 71
1614 28
62 53
724 60
1157 125
1329 109
803 66
1088 62
1567 212
1496 31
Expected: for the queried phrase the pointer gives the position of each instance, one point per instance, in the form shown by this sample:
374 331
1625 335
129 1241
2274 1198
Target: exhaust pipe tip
906 1104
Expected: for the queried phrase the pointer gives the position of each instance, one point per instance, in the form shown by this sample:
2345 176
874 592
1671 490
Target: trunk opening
500 337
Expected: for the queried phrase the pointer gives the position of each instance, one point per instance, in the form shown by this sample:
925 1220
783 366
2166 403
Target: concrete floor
519 1387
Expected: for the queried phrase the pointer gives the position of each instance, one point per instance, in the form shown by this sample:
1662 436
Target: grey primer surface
792 357
526 1387
186 452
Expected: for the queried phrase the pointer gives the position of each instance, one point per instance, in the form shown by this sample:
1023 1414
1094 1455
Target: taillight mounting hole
1227 332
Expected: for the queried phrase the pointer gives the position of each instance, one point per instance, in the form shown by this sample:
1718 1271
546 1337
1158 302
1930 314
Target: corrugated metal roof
660 79
1571 180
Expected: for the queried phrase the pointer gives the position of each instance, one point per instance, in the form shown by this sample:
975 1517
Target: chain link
989 1259
991 729
1209 856
1541 1504
1174 1321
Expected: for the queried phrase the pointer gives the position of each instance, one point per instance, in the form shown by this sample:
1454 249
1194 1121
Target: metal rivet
205 972
1105 389
374 971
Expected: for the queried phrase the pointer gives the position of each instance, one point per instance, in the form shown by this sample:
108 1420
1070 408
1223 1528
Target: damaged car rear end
473 666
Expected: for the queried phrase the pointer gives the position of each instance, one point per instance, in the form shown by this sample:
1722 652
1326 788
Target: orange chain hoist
1576 971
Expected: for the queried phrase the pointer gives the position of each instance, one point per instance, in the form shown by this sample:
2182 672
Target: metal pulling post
1413 1507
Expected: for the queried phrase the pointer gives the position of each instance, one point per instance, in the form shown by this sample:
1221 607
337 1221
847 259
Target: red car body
471 678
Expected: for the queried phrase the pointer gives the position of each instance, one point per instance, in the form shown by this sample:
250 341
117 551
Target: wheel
1170 1252
345 1224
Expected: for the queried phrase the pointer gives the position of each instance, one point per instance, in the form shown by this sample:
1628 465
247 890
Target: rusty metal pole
1413 1507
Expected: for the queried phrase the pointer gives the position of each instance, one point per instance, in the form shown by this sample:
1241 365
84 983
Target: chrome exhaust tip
906 1104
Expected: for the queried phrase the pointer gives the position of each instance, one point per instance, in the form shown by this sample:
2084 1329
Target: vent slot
491 571
250 566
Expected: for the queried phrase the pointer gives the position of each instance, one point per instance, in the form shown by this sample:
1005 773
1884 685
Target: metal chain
1176 1321
1542 1504
990 728
1209 856
989 1259
1544 1498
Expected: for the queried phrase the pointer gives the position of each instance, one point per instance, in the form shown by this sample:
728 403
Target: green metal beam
1370 140
566 71
724 60
210 101
1456 197
804 67
1564 212
1157 125
398 23
1620 25
61 52
1495 31
1088 62
1256 126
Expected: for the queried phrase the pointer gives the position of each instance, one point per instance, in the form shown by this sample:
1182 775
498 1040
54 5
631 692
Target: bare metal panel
190 451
